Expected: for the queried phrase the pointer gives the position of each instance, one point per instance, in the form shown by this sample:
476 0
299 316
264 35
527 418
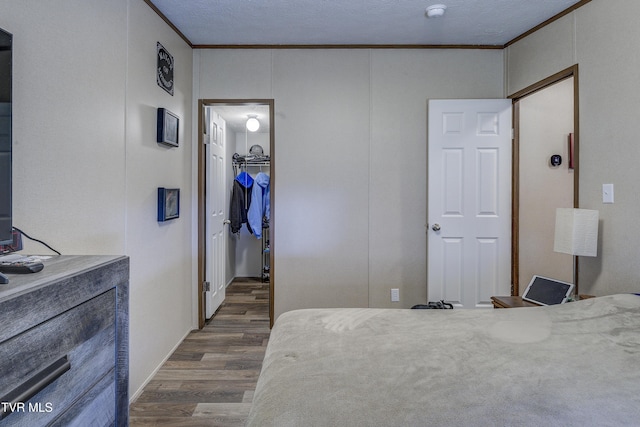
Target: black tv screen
5 137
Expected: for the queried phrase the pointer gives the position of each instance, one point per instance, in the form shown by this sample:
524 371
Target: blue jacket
259 207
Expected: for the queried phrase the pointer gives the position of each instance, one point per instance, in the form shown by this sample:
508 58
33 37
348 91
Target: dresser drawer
95 408
80 343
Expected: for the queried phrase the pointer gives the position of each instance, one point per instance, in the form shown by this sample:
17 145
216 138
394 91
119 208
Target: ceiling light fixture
252 123
436 10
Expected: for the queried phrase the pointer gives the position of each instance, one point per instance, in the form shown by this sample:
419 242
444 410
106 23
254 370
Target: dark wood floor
211 377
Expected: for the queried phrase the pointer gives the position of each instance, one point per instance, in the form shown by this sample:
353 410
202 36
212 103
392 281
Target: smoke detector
436 10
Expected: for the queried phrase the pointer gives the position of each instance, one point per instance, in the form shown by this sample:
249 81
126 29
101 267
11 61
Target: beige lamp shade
576 232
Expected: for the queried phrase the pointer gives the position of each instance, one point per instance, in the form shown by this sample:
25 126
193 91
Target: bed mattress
573 364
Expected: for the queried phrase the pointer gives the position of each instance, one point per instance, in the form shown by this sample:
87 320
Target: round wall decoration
164 74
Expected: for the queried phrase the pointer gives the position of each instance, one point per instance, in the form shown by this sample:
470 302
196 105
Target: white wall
162 254
601 40
69 123
350 156
401 84
86 165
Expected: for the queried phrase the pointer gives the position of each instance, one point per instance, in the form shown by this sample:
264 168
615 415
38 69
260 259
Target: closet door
216 213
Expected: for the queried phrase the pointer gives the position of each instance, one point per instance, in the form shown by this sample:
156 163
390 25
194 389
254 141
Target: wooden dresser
64 344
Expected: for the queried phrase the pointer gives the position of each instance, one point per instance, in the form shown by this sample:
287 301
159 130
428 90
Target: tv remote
21 267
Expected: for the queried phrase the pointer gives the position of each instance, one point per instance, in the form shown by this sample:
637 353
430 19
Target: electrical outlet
395 295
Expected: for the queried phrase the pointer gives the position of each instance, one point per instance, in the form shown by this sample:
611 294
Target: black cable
35 240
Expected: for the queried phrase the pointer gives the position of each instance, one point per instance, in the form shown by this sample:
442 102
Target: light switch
607 193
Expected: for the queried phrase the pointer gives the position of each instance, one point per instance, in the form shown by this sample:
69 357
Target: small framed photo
168 126
168 203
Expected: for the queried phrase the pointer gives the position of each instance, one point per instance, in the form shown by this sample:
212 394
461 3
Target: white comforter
576 364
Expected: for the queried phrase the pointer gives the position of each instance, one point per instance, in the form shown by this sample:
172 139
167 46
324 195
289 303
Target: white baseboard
138 392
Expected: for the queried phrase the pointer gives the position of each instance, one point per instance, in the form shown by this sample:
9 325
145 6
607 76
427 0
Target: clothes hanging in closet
259 207
240 201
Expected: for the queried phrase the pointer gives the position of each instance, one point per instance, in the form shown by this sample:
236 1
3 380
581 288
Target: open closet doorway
235 198
546 124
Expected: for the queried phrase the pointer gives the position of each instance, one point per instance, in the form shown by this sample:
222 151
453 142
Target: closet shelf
251 163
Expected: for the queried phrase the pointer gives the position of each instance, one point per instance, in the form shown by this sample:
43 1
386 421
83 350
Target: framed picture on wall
168 203
168 126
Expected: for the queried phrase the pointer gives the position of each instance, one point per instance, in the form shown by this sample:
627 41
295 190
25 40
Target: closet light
253 124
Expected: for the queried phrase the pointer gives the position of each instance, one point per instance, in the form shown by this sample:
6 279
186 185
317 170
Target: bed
573 364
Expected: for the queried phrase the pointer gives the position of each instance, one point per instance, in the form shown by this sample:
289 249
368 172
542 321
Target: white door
469 214
216 212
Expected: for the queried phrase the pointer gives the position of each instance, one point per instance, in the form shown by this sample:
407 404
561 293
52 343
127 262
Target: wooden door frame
515 199
202 193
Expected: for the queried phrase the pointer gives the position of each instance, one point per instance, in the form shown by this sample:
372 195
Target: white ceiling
355 22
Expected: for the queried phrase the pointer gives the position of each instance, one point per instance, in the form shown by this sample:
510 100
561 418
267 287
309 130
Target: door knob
226 221
436 227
